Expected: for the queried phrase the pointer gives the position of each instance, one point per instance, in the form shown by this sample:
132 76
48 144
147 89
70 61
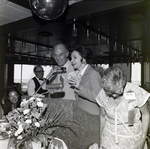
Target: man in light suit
60 54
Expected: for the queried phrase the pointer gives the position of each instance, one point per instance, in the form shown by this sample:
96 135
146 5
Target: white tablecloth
3 144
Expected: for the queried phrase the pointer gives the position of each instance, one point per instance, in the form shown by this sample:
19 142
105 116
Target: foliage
31 122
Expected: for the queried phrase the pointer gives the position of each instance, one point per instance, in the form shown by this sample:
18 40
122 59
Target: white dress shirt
31 87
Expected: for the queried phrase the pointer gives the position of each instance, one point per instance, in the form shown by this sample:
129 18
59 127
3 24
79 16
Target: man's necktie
62 80
41 79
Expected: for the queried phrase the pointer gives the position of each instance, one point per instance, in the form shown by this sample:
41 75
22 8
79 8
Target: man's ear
67 54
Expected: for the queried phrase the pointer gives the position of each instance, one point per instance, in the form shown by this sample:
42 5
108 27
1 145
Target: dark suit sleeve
91 88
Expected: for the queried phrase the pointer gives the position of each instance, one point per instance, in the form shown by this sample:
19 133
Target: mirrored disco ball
48 9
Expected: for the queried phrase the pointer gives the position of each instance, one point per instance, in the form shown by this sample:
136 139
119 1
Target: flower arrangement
30 123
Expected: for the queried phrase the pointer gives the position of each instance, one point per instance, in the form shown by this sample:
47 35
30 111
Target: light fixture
48 9
36 48
107 42
29 58
74 29
98 38
8 42
122 49
87 34
128 51
19 57
24 43
115 46
88 31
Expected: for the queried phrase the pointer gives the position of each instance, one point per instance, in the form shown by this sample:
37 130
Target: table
74 114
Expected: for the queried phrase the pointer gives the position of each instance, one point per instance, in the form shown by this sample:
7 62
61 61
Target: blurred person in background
37 85
11 100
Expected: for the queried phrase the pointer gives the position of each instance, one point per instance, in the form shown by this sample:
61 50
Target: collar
83 70
39 79
66 65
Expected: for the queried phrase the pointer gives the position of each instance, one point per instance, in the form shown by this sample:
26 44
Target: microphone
55 71
60 70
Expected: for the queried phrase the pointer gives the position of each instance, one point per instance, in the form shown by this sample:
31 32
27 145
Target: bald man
60 54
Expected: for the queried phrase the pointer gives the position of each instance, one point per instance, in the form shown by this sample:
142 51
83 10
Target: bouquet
30 123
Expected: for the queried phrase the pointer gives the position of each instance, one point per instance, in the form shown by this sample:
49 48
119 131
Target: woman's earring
84 62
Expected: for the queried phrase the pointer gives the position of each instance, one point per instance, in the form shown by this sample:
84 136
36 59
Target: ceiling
116 31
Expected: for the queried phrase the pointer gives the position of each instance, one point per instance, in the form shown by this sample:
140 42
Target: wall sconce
23 43
48 9
98 38
8 42
115 46
74 29
29 58
19 57
122 49
128 51
107 43
87 34
36 48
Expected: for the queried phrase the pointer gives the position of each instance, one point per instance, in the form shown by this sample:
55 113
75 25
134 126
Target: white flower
37 124
18 123
24 102
26 111
40 104
20 129
31 99
28 121
9 132
19 137
39 99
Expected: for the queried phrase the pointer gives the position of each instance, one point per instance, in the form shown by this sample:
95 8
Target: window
136 73
23 73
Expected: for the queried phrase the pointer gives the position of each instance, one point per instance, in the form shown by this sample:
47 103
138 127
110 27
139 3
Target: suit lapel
86 74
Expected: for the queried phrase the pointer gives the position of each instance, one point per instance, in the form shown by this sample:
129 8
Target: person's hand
50 74
74 82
